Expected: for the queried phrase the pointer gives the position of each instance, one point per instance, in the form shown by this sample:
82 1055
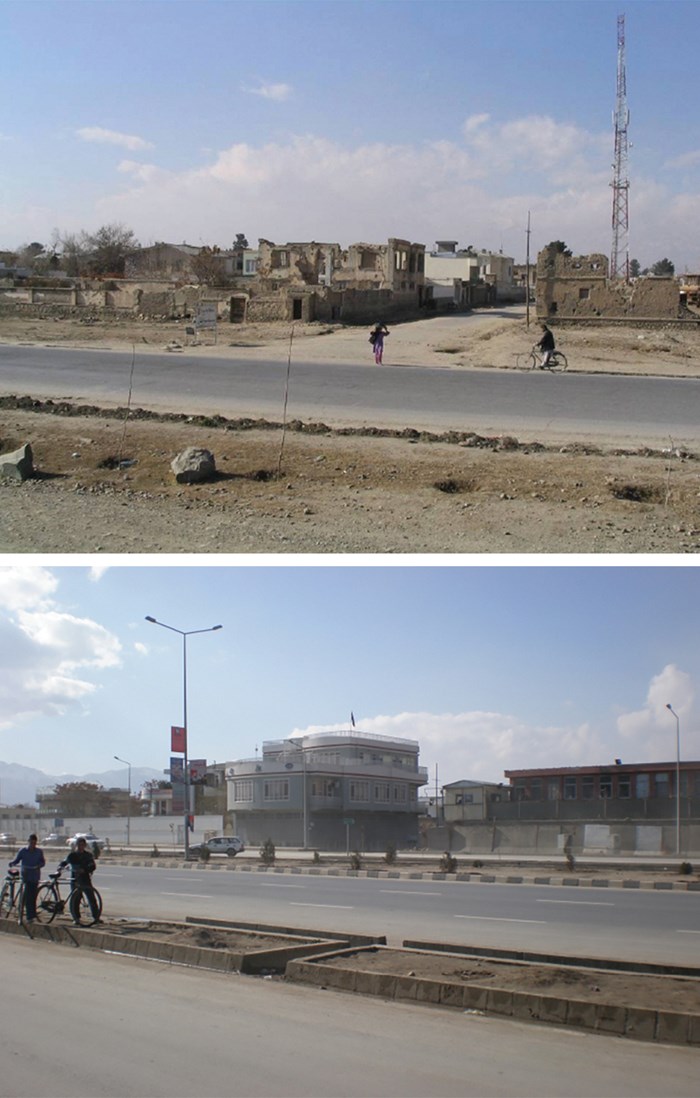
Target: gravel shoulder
338 492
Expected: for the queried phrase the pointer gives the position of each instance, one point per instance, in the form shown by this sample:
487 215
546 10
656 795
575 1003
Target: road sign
348 822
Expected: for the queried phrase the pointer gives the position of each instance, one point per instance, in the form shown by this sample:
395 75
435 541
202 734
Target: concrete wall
165 831
581 837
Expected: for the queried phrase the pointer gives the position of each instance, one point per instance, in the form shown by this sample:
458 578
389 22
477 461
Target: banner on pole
178 740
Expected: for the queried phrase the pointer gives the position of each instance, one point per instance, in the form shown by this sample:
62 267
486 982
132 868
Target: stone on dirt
19 465
193 465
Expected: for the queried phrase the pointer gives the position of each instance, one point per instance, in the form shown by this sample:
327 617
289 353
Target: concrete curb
308 958
466 877
639 1023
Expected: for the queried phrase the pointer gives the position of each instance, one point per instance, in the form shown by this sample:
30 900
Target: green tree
635 269
663 267
108 248
559 247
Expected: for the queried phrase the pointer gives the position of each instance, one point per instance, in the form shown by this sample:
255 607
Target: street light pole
185 633
128 802
678 778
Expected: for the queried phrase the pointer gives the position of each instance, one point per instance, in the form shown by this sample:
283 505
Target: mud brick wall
577 288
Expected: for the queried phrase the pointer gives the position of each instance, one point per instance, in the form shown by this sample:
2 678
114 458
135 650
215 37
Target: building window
624 786
662 783
642 782
359 791
570 788
587 787
519 789
325 787
251 266
277 789
536 789
243 791
382 792
553 789
605 785
400 792
583 293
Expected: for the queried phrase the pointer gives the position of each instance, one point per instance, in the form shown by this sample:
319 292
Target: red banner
178 740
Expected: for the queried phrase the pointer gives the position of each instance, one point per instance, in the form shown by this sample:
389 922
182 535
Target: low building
576 288
343 790
470 800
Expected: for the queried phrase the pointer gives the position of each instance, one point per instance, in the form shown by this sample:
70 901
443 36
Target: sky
349 120
487 668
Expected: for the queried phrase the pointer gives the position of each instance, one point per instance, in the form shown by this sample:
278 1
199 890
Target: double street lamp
678 777
128 801
185 633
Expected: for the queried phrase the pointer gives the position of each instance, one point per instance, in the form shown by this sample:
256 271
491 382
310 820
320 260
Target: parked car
91 840
7 840
52 840
220 844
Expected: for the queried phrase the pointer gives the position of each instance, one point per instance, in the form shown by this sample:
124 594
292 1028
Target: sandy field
329 491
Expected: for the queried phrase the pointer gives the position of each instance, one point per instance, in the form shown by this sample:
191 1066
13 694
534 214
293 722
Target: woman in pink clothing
377 340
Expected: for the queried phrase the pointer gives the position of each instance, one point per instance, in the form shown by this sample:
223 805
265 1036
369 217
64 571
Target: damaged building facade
322 281
576 288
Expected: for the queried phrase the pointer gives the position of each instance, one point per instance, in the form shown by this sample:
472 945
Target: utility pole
527 272
619 256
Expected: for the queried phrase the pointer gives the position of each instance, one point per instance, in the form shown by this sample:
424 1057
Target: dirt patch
104 482
204 937
589 985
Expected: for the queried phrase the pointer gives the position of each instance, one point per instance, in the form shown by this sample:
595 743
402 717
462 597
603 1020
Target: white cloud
481 745
112 137
277 92
686 160
25 587
141 648
47 653
97 571
479 186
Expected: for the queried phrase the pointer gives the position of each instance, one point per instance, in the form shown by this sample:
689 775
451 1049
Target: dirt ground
104 483
590 985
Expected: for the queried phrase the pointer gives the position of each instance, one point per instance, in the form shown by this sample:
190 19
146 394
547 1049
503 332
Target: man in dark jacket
82 866
31 858
546 345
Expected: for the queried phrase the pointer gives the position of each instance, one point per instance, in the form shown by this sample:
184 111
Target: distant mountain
18 784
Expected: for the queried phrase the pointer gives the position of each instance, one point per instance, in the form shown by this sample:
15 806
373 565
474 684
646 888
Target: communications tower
619 257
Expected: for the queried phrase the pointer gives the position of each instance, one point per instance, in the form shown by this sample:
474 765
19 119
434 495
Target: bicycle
533 360
50 902
10 893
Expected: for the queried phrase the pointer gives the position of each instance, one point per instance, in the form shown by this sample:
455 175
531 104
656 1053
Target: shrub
448 863
570 861
204 853
686 869
267 852
390 853
356 860
477 863
316 858
155 853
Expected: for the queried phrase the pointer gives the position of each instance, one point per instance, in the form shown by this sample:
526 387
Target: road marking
688 932
585 903
343 907
273 884
110 875
189 895
181 880
497 919
409 892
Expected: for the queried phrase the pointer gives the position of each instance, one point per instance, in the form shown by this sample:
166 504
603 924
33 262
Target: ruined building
577 288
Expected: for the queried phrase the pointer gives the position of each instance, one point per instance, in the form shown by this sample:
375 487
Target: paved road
634 924
604 408
81 1025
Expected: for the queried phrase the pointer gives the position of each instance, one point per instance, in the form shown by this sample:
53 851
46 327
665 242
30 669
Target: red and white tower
619 257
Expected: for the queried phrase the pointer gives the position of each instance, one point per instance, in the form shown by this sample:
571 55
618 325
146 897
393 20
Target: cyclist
82 866
546 346
31 858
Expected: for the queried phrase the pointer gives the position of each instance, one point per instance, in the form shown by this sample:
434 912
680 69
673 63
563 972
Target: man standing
31 858
82 866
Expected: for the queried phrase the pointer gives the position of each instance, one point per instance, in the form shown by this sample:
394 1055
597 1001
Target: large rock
18 465
193 465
